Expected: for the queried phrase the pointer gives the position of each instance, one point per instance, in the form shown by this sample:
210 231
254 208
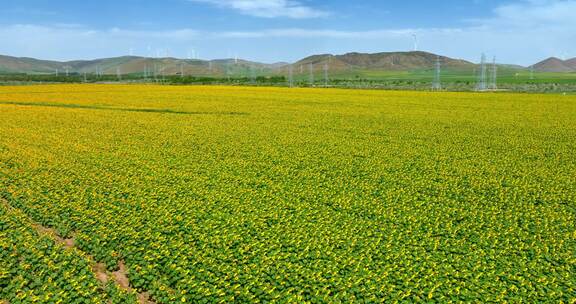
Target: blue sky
516 31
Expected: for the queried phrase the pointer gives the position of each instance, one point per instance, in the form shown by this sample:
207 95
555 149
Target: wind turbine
415 36
192 54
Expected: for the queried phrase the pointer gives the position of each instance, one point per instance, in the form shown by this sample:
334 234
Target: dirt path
120 277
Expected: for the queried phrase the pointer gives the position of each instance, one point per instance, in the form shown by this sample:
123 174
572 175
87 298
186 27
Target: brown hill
571 63
135 65
553 64
392 61
19 64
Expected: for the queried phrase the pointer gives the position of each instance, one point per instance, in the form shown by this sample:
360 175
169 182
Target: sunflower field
173 194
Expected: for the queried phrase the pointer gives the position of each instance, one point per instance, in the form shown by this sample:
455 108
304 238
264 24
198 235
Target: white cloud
535 14
269 8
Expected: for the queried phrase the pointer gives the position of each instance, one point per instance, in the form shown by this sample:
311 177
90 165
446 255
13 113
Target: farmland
217 194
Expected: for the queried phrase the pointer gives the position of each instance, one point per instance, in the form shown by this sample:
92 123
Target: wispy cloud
330 34
269 8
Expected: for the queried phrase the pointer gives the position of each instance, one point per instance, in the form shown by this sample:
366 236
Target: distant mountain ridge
556 65
393 61
385 61
129 65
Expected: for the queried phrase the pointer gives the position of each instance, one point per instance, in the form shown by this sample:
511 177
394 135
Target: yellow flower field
237 194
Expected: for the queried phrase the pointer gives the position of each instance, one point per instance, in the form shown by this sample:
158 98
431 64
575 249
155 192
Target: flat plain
164 194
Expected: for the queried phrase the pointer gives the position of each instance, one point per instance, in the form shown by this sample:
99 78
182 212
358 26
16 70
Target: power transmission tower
228 72
482 75
436 84
155 72
532 72
326 75
252 75
181 70
118 74
494 75
311 68
291 76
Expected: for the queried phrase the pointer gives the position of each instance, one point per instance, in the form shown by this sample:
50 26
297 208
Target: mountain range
388 61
